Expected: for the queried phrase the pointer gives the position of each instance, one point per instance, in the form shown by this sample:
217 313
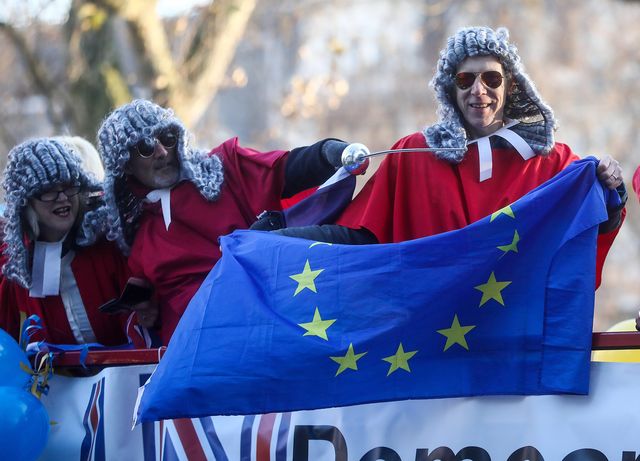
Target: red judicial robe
176 261
100 272
415 194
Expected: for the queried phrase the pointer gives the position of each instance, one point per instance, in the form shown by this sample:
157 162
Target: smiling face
481 106
56 217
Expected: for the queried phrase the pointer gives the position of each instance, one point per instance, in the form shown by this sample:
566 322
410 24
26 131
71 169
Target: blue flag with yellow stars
503 306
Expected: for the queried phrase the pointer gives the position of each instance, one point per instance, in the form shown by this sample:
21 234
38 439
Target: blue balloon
11 374
24 425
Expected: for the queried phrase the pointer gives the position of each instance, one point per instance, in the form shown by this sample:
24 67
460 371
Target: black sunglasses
52 195
491 78
147 145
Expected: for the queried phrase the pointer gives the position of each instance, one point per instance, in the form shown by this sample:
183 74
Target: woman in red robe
55 265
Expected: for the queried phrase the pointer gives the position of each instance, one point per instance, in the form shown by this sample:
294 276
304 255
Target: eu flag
503 306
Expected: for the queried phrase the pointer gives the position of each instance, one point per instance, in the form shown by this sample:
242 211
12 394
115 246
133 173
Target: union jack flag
92 448
263 438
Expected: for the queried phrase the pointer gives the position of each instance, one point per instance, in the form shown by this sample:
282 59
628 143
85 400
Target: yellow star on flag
506 210
348 361
399 360
317 327
455 334
492 290
306 278
513 246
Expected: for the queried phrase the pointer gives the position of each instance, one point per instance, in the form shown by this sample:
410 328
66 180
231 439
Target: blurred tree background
281 73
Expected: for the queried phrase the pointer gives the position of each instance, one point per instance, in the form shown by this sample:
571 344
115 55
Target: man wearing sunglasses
492 112
168 202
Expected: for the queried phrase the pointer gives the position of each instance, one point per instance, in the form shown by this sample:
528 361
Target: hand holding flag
503 306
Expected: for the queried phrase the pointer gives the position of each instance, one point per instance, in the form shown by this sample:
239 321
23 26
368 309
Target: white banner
93 421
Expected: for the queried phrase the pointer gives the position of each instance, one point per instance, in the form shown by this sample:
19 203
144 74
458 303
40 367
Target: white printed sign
93 421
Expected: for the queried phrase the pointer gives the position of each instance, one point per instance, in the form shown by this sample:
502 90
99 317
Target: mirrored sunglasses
490 78
146 146
53 195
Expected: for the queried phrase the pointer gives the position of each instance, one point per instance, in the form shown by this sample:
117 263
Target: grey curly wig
122 130
33 167
537 123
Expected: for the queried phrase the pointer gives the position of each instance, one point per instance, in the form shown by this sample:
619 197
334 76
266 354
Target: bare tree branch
37 73
229 31
94 75
187 87
150 38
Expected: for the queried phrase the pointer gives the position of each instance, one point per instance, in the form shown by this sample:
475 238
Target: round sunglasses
491 78
147 145
53 195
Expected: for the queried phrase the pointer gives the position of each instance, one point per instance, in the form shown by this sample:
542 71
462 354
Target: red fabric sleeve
288 202
604 245
636 182
101 273
373 208
9 312
256 179
416 195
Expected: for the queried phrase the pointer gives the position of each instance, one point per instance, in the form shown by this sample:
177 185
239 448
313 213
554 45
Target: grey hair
30 219
35 166
119 132
523 103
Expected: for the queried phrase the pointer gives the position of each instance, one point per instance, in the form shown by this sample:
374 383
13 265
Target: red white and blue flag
92 448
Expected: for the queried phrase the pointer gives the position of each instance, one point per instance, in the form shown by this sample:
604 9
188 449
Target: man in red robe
497 139
493 113
168 203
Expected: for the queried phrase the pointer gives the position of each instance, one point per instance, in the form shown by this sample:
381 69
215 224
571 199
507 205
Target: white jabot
45 273
484 148
164 195
73 304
